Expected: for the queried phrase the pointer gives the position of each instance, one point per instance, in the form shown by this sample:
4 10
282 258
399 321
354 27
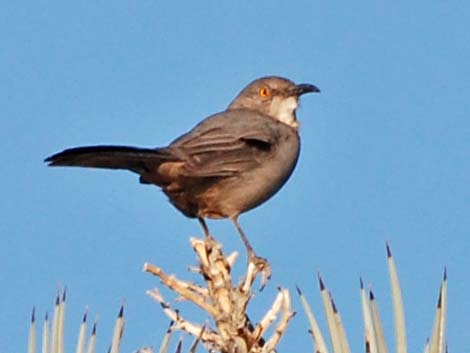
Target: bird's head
274 96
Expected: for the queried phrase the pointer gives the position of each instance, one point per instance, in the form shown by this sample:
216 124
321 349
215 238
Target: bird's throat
283 109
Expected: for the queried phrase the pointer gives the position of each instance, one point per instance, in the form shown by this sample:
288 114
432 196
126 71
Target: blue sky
385 154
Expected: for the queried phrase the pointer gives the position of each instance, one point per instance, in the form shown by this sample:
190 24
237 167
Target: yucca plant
53 333
230 330
373 333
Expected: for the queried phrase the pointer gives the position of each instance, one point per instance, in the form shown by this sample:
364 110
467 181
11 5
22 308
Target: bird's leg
209 240
203 224
261 264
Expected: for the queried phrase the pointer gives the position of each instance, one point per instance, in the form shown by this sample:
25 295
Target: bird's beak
303 88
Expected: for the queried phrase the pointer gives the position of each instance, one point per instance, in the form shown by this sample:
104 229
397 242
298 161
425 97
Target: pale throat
283 109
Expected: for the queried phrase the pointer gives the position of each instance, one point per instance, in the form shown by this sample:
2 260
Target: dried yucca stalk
225 302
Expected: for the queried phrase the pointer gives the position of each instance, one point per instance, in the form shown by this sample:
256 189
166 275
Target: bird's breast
234 195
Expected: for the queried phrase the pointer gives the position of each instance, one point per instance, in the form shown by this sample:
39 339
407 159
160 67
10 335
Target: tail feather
138 160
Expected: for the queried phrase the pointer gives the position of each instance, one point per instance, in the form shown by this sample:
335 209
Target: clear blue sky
385 154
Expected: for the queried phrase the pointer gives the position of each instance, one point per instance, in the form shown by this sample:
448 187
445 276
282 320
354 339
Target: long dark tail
138 160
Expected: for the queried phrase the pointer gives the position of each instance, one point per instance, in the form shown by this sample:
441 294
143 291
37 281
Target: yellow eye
264 92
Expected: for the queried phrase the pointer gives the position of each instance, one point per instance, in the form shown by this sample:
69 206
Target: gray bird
229 163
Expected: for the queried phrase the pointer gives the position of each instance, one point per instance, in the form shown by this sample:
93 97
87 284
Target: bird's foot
262 266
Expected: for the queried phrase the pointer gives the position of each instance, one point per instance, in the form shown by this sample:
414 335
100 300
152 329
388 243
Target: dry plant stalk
225 302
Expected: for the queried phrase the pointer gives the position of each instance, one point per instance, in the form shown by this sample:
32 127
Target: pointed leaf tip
320 281
298 290
33 315
170 326
333 305
64 295
179 346
121 312
439 300
371 295
84 316
93 331
444 277
389 252
361 283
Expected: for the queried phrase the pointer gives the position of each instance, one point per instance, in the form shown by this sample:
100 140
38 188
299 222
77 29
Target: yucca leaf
398 307
32 333
318 340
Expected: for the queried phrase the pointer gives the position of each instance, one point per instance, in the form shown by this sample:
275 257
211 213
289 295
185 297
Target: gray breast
256 186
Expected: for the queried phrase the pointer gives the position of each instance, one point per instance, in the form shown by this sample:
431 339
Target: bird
229 163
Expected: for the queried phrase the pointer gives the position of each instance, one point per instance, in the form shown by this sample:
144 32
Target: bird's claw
262 266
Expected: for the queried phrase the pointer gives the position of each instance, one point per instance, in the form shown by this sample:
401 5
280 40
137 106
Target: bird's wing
226 144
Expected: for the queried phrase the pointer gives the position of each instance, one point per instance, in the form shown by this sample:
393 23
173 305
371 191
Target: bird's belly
233 196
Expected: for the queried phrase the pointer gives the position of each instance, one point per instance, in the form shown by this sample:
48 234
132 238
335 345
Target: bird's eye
264 92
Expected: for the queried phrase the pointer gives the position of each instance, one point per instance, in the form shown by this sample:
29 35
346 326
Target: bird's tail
138 160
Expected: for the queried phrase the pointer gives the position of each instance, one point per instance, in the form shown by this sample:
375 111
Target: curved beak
303 88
